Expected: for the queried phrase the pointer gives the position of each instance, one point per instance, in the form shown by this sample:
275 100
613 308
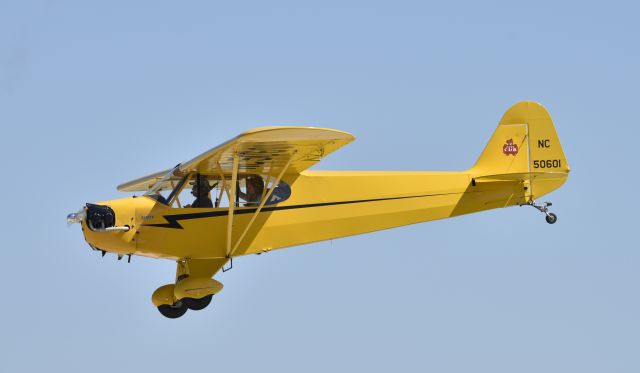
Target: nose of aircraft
100 218
108 226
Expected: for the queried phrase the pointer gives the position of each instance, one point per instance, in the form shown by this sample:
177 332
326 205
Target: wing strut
262 202
224 181
223 186
177 197
232 205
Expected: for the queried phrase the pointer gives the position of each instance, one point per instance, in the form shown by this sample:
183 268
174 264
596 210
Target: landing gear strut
193 290
550 217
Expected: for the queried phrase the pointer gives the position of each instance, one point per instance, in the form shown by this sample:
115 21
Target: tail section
525 147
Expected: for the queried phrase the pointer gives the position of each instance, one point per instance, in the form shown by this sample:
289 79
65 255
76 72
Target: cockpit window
255 190
178 188
194 191
158 197
281 193
207 191
200 188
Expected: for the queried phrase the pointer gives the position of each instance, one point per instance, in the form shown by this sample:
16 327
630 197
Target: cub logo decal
510 148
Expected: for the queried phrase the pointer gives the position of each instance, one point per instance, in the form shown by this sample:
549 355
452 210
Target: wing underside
266 151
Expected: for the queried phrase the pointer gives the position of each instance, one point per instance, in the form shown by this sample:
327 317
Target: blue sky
92 95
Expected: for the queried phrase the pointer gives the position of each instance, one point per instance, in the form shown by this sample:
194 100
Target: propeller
76 217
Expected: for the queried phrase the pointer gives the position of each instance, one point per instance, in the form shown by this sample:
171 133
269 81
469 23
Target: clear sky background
92 95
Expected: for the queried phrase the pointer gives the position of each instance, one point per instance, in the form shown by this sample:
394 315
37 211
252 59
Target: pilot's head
200 187
255 186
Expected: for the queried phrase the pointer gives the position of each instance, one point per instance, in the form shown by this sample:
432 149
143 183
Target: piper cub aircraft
254 194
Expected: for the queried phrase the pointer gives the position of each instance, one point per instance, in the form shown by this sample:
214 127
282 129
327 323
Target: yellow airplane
254 194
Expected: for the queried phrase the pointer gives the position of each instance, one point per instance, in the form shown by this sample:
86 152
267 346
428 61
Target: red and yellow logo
510 148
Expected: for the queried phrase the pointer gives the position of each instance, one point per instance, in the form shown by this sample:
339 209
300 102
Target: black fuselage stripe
173 219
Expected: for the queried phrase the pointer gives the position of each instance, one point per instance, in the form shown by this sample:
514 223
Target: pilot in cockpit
200 190
255 187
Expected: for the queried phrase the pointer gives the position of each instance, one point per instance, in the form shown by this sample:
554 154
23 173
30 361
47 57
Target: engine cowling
100 217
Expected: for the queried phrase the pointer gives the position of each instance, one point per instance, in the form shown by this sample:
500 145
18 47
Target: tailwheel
551 218
173 311
197 304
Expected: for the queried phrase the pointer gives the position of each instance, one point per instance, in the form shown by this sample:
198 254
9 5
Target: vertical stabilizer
525 144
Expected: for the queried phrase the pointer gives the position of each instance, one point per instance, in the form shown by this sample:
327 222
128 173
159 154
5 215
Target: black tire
197 304
173 311
551 218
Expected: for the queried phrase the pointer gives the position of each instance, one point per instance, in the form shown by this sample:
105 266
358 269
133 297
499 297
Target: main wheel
173 311
551 218
197 304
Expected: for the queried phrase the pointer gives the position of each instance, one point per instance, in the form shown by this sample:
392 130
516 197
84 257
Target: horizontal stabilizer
522 176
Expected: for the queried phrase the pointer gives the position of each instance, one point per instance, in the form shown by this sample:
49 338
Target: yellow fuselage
323 205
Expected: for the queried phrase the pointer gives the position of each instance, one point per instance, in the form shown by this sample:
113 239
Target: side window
253 190
281 193
205 191
194 191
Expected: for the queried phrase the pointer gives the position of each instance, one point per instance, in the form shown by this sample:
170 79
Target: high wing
265 150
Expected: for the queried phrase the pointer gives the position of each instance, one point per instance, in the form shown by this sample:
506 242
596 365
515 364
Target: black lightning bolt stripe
173 220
